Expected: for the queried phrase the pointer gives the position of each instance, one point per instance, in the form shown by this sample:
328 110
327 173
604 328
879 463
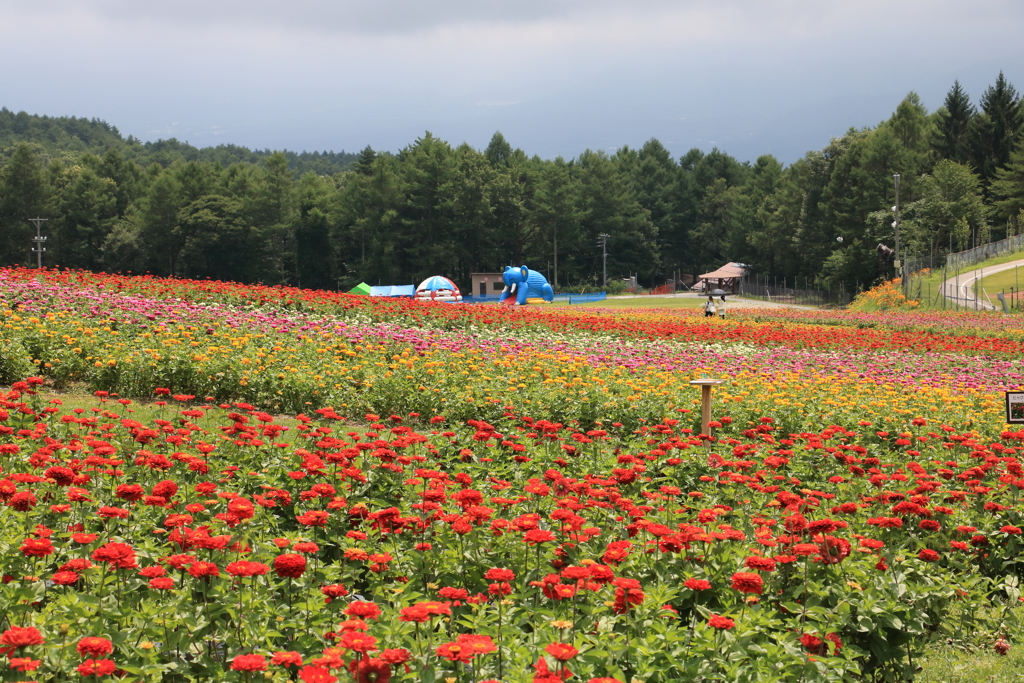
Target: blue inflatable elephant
522 283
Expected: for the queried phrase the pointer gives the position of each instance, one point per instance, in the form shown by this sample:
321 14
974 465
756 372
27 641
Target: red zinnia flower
95 647
535 536
928 555
833 550
18 637
290 565
116 555
37 547
249 663
563 652
422 611
358 642
720 622
396 656
372 670
24 664
246 568
108 512
203 570
498 574
65 578
363 610
745 582
478 645
332 591
761 564
455 652
697 584
316 674
97 667
286 659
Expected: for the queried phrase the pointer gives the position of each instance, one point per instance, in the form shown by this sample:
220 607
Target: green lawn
1004 281
954 665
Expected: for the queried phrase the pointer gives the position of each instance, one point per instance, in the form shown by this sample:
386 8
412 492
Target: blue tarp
582 298
571 298
394 290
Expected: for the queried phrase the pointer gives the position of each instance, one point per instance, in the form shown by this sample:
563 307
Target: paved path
731 301
960 288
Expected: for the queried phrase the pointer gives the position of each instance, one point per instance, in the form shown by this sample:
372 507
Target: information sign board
1015 407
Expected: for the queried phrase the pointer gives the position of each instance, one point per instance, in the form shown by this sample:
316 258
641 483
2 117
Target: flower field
276 484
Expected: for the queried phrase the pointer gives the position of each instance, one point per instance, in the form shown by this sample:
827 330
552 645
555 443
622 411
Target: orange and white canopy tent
727 277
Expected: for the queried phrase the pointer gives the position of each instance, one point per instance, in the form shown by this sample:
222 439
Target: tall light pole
556 256
896 225
604 258
39 240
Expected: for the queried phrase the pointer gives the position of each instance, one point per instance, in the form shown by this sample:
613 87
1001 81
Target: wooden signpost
705 401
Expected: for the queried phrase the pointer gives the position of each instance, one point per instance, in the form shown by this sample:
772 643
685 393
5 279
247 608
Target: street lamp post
896 224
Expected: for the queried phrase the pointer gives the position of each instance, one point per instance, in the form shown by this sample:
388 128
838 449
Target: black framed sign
1015 407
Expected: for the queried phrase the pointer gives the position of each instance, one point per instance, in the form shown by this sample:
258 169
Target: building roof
729 270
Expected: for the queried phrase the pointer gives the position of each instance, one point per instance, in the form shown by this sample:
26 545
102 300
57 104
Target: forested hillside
69 136
231 213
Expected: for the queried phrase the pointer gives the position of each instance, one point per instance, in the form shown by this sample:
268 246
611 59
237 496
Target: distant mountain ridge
69 135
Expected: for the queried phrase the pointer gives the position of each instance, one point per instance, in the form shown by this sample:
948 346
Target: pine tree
998 127
1008 186
364 164
498 150
953 134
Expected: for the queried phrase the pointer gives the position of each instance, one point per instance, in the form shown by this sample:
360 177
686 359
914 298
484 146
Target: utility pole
556 256
896 225
604 258
39 240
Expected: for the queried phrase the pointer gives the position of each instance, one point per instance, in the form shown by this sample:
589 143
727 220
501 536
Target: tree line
332 221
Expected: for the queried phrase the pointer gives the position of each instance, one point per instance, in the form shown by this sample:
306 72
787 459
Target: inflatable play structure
524 286
438 288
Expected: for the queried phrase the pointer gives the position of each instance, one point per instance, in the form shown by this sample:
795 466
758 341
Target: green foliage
116 203
950 209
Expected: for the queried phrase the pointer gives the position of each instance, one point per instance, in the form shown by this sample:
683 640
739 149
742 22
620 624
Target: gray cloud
556 76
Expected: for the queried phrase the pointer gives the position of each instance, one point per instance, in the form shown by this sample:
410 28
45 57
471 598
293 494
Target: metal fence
961 260
767 290
958 289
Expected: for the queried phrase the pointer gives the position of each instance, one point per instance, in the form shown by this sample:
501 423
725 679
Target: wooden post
705 401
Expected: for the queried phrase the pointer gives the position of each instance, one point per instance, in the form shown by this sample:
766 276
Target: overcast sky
555 76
